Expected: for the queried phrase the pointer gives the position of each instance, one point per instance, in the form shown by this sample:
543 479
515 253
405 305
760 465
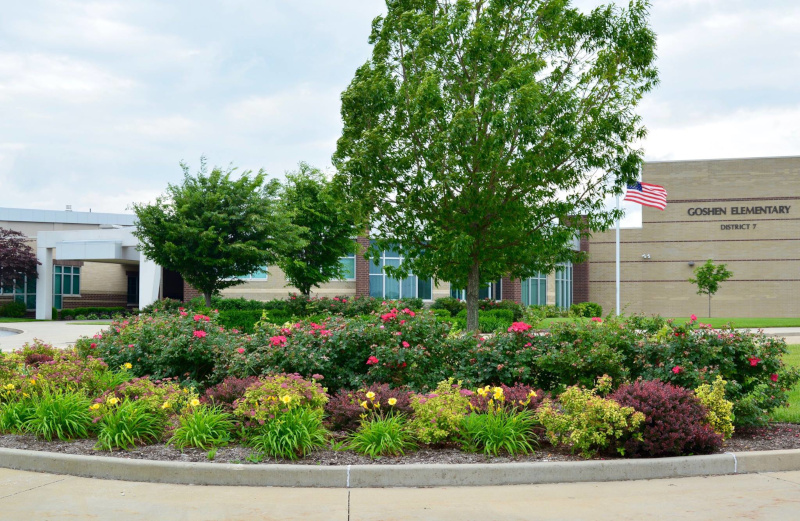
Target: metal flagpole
617 244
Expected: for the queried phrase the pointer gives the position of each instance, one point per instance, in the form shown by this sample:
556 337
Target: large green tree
213 228
327 231
480 129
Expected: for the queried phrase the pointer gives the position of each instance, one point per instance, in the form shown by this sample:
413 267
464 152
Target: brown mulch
773 437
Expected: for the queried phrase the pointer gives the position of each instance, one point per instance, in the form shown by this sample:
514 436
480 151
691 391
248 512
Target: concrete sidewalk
58 333
767 496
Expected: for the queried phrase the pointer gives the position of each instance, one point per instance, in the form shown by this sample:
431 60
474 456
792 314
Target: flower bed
394 382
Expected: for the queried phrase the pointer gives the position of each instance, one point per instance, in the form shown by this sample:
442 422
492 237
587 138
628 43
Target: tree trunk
207 295
473 288
709 305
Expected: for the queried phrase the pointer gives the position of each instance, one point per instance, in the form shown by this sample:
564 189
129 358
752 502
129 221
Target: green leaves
478 130
213 228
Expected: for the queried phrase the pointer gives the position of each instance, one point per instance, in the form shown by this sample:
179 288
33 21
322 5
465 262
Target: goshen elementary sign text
738 210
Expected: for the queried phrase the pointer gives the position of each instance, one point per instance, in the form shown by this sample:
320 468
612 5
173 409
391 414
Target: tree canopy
212 229
17 259
480 129
327 231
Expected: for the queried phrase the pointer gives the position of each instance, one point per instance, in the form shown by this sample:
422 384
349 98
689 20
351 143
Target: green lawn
92 323
754 323
6 319
792 413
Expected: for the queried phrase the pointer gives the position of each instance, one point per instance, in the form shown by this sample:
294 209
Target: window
133 289
534 290
383 287
67 281
564 285
349 266
493 291
25 292
256 275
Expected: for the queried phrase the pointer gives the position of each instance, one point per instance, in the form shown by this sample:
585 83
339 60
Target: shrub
346 408
720 411
204 428
491 305
499 430
438 416
70 371
450 304
382 436
586 309
292 434
14 415
674 421
226 393
13 309
166 305
60 414
241 320
92 313
163 397
279 394
128 422
585 422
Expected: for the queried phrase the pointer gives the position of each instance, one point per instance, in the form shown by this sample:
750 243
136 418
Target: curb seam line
735 463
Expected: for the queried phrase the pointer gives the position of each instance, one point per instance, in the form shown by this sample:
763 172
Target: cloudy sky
100 100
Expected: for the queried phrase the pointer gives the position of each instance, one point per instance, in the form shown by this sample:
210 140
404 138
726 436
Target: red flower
200 334
597 319
677 369
240 350
693 318
406 344
519 327
278 340
372 360
773 377
92 345
753 361
183 313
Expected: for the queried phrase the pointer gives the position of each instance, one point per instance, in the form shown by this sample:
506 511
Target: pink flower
93 345
519 327
402 322
240 350
316 376
409 312
773 377
753 361
279 340
406 344
389 316
198 318
677 369
597 319
200 334
693 318
372 360
183 313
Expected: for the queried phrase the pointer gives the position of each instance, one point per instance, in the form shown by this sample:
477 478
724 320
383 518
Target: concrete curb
11 329
371 476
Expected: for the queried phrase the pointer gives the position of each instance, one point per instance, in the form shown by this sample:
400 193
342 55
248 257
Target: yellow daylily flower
286 399
195 402
95 406
371 395
392 401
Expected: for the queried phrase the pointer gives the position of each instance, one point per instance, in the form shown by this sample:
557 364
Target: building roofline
65 217
720 159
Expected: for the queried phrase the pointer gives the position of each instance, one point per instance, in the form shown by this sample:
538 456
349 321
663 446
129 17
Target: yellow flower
377 404
532 394
185 391
26 395
195 402
364 404
286 399
33 382
95 406
371 395
113 400
166 405
10 387
127 365
392 401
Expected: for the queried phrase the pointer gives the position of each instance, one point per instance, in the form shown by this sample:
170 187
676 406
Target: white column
44 284
149 281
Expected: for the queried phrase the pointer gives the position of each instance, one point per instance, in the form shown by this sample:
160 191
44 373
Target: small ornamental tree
327 231
212 229
17 259
707 278
480 129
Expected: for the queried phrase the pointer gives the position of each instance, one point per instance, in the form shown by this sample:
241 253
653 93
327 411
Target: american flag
647 194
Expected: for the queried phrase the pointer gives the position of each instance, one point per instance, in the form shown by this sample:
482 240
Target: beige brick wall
101 277
764 256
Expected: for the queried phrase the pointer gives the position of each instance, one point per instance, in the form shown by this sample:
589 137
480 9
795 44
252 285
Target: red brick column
362 268
512 290
580 276
190 292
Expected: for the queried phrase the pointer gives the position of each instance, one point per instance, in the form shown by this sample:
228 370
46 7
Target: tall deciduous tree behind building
327 231
478 127
212 229
17 259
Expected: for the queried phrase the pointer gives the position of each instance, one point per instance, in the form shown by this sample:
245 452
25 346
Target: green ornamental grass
204 428
292 434
499 431
127 424
13 416
382 437
59 414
